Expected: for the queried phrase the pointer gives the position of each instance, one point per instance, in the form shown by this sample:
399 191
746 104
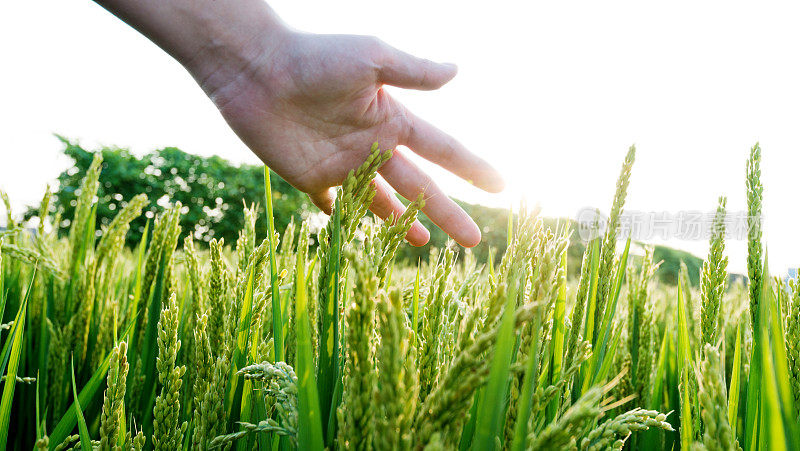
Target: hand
310 106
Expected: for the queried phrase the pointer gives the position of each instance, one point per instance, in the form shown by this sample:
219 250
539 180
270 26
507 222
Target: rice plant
279 344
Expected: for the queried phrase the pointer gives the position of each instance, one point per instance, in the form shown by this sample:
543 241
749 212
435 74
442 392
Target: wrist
233 42
215 40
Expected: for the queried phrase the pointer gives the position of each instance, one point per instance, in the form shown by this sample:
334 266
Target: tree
213 191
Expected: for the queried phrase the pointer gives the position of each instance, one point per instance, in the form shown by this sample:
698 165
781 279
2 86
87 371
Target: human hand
310 106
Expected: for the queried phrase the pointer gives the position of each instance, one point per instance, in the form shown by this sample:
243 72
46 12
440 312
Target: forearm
213 39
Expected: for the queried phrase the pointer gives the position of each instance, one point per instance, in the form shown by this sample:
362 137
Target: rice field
319 340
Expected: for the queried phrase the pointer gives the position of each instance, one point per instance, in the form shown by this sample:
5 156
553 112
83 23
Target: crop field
311 340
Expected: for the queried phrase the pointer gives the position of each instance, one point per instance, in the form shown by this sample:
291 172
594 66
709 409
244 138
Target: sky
552 93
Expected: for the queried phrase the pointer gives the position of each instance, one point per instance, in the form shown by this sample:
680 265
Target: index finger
410 181
438 147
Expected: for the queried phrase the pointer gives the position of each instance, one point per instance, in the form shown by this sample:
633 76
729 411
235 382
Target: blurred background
552 93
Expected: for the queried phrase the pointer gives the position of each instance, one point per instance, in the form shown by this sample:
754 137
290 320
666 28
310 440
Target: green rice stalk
755 194
733 390
44 209
566 431
613 433
608 249
83 430
357 410
579 308
167 429
717 432
10 223
792 340
713 278
83 209
114 396
430 336
15 339
395 392
217 300
277 317
114 235
445 409
489 425
309 417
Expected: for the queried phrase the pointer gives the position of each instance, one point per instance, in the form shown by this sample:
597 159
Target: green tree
212 190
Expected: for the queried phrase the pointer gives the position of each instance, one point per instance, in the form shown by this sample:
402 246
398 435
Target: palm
314 110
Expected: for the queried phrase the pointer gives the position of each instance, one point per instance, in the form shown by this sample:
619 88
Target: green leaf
309 417
415 303
510 228
526 395
602 355
684 351
234 397
591 306
489 424
277 319
15 338
687 434
684 362
328 373
754 413
39 428
83 431
661 371
780 367
557 342
733 390
67 422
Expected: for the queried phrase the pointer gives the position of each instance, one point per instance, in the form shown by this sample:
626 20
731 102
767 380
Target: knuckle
375 46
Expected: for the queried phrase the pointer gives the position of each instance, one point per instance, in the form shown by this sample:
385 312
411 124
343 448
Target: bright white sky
553 93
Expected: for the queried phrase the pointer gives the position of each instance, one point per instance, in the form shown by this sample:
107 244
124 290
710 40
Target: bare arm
310 105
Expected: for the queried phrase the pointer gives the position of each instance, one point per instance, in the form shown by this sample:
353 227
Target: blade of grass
558 338
83 431
15 339
87 395
310 422
526 395
684 351
39 428
510 228
585 373
661 370
780 367
753 431
277 320
604 370
687 435
489 422
415 303
328 374
733 390
606 329
233 401
490 264
651 439
684 362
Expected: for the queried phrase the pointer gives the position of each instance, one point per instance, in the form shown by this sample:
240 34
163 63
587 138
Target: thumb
323 200
400 69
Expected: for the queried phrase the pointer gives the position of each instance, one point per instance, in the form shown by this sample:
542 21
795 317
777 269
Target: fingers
323 200
400 69
409 181
438 147
383 205
386 203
